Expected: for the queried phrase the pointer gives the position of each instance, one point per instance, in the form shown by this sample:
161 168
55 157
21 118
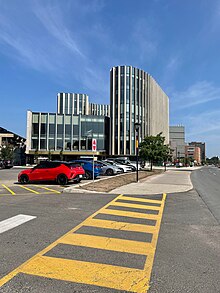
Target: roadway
93 242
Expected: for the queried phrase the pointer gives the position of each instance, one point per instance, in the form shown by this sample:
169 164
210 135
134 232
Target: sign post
94 144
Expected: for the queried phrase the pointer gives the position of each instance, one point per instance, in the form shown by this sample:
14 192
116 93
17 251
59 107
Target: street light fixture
137 127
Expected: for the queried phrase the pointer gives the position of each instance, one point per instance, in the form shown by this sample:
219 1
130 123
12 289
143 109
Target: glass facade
57 132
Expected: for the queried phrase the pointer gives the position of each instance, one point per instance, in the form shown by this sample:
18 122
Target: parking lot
9 185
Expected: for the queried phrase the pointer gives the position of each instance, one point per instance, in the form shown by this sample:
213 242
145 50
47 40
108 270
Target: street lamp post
137 126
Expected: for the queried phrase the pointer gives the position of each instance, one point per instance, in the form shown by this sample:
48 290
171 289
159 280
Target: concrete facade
177 141
194 153
201 145
135 97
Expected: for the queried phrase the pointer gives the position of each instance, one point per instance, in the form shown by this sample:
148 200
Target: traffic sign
94 144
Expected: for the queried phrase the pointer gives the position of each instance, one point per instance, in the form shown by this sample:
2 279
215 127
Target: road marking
136 206
12 192
83 272
73 208
128 214
46 188
29 189
107 243
123 226
141 199
98 274
14 222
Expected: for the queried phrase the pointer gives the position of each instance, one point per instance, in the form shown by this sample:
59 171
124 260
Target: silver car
108 169
125 168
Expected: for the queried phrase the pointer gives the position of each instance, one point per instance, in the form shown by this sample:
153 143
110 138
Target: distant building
193 153
71 103
99 110
17 142
135 97
78 104
201 145
177 141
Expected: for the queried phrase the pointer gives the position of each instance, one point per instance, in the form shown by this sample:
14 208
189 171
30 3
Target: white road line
14 222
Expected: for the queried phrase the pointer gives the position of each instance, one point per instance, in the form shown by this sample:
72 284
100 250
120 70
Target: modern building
99 110
71 103
193 153
135 97
76 104
177 141
71 134
201 145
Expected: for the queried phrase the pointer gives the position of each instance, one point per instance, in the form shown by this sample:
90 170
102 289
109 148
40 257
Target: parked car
6 164
124 167
61 172
88 167
108 169
123 161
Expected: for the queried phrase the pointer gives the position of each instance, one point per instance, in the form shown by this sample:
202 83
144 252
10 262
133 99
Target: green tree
6 152
153 149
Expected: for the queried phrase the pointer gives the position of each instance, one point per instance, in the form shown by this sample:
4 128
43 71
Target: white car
121 166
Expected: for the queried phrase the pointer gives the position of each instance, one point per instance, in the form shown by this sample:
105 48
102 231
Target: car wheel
77 180
62 179
88 175
109 172
24 179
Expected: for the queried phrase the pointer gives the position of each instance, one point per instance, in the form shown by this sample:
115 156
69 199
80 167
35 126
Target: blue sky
55 46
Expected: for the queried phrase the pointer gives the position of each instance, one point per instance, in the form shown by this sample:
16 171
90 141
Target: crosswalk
17 189
113 248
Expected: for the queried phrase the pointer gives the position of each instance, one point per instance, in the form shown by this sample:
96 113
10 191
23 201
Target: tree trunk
151 165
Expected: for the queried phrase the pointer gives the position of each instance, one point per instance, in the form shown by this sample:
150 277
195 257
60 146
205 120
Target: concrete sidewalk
170 181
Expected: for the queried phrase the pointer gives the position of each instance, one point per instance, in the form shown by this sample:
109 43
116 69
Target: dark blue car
88 167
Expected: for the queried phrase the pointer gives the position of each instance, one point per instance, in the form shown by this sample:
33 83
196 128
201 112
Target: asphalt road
207 183
110 240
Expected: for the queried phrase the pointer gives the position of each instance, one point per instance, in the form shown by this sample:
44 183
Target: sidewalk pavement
173 180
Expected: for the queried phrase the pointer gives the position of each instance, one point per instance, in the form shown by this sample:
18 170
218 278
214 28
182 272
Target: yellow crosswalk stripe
123 226
6 187
106 243
29 189
141 199
136 206
129 214
119 278
98 274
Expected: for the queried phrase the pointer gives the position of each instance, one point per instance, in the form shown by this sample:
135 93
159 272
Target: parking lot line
29 189
49 189
6 187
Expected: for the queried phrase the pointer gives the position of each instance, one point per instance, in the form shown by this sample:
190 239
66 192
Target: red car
61 172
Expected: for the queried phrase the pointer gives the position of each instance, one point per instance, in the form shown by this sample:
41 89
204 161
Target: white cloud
52 19
145 39
199 93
